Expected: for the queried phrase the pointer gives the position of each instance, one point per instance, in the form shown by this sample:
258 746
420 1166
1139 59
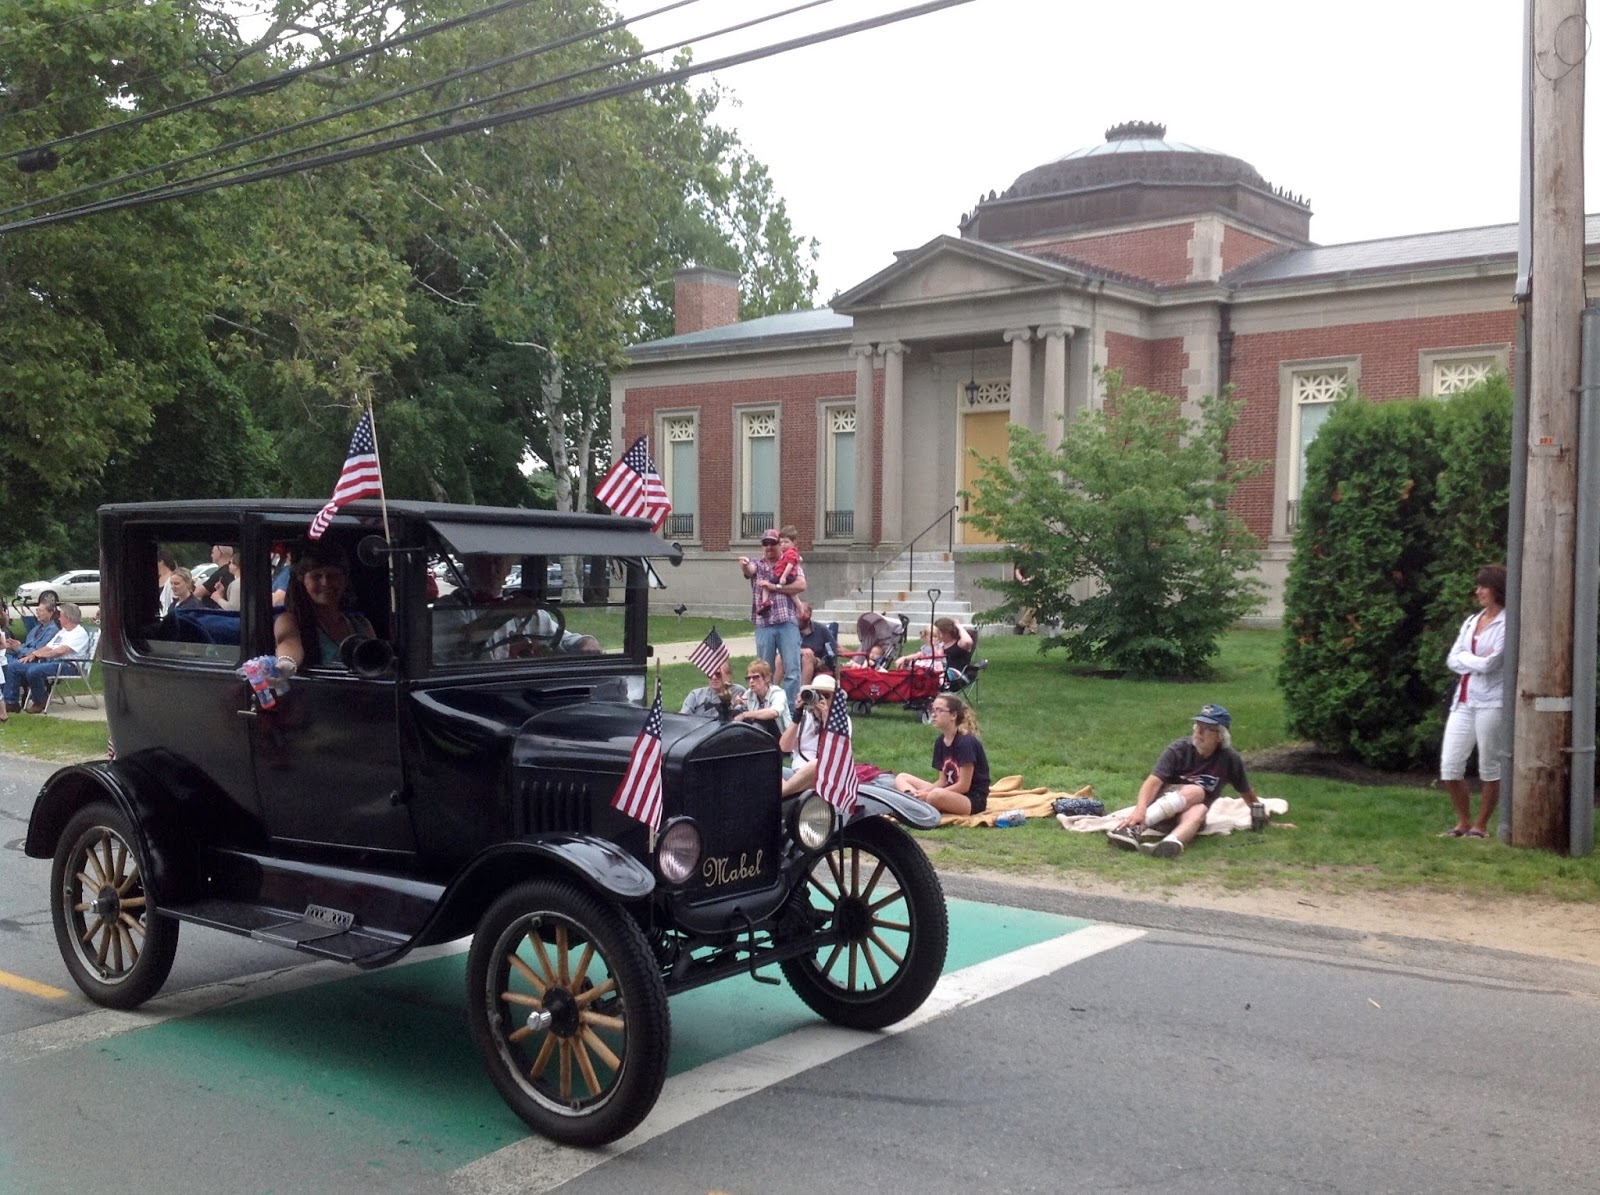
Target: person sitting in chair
55 658
945 644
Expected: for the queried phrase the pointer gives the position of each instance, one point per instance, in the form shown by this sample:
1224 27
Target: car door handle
247 712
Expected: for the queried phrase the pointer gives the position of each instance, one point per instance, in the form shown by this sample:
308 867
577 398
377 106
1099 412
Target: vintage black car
453 774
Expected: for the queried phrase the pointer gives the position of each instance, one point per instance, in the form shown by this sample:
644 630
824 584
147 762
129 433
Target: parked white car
82 587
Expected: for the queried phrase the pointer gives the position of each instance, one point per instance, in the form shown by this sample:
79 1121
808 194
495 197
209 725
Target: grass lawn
1065 729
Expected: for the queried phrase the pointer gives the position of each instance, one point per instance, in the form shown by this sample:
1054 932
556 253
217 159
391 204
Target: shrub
1357 594
1131 510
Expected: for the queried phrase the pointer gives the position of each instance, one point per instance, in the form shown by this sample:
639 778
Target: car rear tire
881 898
115 943
569 1012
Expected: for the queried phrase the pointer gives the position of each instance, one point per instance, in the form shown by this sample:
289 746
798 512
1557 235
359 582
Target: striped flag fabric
711 655
836 760
634 489
360 477
639 794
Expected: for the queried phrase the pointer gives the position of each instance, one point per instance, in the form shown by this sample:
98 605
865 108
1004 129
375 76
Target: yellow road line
32 987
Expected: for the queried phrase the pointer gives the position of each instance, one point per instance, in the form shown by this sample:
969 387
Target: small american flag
711 655
634 489
360 478
836 761
639 794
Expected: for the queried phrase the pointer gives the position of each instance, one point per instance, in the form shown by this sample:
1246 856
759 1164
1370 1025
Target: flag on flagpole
836 762
639 794
634 489
359 479
711 655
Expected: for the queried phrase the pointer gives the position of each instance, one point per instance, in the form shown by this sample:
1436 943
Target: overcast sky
1390 116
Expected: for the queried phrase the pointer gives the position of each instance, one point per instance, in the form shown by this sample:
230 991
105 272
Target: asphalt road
1210 1052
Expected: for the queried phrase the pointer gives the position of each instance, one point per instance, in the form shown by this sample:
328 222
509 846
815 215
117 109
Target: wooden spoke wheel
117 948
875 905
568 1012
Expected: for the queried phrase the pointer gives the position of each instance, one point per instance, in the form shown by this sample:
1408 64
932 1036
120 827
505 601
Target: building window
1453 370
1312 393
680 473
989 396
758 499
839 473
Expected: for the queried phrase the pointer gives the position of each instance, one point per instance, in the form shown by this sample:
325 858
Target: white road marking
534 1164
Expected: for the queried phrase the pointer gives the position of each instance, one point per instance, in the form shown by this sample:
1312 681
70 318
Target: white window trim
1287 484
1429 359
663 459
741 465
825 463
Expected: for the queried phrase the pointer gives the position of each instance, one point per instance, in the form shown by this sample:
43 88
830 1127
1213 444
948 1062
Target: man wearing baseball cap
1186 779
773 610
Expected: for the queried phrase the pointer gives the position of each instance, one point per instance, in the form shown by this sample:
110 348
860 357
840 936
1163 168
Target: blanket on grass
1008 793
1226 815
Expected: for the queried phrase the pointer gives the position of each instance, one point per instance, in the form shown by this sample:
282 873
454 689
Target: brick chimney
704 298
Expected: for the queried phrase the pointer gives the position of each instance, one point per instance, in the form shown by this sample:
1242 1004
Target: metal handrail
911 578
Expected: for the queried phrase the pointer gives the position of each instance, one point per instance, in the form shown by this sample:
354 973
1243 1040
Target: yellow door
985 434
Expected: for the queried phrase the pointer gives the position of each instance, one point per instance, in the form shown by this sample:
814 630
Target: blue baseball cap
1215 715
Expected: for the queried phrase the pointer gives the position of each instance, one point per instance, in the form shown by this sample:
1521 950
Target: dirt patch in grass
1306 759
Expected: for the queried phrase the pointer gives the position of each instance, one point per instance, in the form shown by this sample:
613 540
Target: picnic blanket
1226 815
1008 793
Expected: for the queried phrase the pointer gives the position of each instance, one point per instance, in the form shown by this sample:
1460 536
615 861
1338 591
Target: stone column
1055 381
866 448
894 446
1022 375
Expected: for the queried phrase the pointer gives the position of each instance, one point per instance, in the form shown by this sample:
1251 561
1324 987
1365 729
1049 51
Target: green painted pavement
381 1066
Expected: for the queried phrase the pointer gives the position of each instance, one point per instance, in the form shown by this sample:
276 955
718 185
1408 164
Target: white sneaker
1166 848
1127 838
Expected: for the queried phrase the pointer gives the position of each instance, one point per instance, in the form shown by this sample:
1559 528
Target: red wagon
915 688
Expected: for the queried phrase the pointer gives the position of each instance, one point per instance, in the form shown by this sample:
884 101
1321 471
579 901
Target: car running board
324 932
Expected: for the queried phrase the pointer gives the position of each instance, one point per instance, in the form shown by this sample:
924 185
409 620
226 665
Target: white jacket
1485 683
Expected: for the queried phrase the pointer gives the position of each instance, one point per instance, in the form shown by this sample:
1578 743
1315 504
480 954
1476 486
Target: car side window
182 612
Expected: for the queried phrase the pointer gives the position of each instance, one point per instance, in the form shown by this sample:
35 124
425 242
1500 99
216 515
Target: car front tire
878 901
118 948
569 1012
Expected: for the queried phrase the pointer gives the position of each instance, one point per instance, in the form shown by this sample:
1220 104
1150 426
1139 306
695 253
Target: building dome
1136 173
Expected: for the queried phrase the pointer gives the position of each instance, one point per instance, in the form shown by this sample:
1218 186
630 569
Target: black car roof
469 529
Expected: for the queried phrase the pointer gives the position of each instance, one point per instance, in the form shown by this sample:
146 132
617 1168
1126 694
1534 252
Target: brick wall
1388 355
703 299
797 399
1239 247
1158 254
1154 364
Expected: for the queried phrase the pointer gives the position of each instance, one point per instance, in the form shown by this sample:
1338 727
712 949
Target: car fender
72 788
879 799
600 866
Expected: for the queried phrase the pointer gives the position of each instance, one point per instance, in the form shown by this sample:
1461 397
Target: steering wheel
536 643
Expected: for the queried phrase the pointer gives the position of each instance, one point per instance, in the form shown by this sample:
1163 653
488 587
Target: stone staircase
894 595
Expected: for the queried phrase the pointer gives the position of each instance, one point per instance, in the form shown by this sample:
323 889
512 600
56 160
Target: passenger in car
318 599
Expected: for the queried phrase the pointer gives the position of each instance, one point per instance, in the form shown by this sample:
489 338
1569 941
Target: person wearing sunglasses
763 703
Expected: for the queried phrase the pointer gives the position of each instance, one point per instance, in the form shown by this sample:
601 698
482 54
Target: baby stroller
915 688
882 638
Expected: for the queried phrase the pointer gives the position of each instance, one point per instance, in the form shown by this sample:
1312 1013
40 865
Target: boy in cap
1186 779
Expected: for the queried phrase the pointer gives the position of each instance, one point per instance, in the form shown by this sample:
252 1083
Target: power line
452 77
263 86
494 120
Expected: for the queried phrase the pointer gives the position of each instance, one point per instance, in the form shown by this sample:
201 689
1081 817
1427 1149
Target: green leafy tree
1124 533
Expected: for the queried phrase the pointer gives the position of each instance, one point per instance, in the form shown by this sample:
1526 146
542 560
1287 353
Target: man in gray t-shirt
1186 779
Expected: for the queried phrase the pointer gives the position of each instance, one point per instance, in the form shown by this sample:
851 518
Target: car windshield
497 610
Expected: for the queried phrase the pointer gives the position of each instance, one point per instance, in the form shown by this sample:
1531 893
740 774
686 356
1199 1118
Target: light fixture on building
972 381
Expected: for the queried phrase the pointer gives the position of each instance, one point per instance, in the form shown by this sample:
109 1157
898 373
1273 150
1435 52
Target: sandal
1455 832
1476 833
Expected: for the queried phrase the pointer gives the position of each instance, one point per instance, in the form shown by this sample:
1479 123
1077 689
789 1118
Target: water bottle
1258 817
1011 817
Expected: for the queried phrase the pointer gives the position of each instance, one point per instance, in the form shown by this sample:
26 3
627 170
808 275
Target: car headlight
678 850
813 822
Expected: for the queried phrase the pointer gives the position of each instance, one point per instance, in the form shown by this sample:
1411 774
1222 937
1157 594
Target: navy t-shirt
1181 763
949 759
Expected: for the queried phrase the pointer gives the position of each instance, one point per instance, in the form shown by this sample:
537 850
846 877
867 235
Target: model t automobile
453 774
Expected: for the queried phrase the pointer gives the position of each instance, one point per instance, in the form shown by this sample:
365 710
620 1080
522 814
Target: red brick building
1180 266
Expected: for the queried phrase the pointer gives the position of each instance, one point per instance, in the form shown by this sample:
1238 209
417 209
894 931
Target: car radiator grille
734 800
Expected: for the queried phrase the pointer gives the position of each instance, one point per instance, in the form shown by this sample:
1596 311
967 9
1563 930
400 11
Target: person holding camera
720 699
801 739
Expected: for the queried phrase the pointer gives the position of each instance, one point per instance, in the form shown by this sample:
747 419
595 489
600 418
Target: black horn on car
366 657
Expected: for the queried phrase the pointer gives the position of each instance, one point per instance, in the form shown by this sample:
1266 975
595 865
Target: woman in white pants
1475 708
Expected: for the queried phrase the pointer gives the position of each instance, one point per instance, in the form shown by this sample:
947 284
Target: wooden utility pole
1544 668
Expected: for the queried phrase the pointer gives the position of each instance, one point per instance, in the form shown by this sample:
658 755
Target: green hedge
1403 501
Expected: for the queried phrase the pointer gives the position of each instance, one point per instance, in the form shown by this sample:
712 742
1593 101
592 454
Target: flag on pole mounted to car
836 761
711 655
634 489
639 794
360 477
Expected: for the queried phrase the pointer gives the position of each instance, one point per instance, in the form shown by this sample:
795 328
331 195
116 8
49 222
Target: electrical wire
435 114
263 86
403 92
494 120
